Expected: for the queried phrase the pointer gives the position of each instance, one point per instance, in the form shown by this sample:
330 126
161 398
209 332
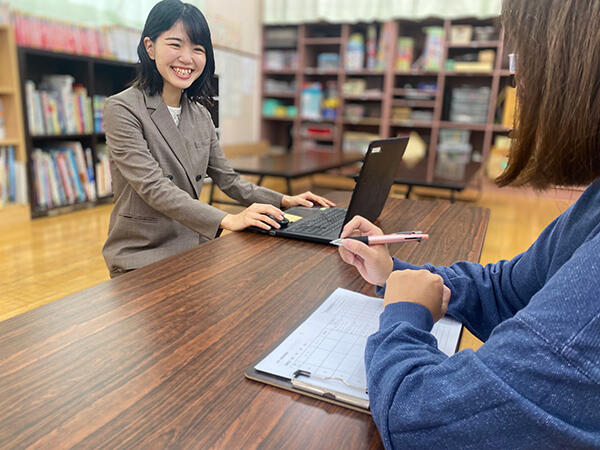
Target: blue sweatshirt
535 382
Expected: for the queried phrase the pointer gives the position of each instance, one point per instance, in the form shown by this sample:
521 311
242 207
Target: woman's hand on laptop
373 263
307 199
256 215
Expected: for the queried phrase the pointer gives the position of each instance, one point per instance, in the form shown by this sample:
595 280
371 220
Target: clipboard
312 385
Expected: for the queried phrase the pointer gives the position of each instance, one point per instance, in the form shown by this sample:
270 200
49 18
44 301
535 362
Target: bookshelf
385 89
10 96
99 77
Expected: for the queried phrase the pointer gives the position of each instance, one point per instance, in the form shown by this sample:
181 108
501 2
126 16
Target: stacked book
63 175
58 107
13 186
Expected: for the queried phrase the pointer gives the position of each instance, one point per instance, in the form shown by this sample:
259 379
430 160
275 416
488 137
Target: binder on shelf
323 357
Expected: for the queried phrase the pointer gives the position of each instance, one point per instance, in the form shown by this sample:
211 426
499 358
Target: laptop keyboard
327 222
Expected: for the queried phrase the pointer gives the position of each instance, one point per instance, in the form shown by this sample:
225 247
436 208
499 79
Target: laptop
323 225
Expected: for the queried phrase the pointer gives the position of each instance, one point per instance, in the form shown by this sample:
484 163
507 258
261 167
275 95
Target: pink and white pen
405 236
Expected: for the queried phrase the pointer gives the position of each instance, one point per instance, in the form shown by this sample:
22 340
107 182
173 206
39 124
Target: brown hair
557 125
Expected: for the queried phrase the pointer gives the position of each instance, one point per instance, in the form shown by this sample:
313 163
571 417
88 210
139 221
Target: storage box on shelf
394 78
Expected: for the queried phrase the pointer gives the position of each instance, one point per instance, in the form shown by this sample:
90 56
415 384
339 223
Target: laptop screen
376 178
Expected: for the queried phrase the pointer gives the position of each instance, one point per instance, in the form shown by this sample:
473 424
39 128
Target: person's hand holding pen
373 263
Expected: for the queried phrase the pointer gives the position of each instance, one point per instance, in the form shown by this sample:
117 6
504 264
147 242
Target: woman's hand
373 263
253 215
306 199
418 286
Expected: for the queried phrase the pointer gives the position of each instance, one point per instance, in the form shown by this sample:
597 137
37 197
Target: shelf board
280 94
74 56
463 126
317 138
323 41
306 119
414 103
476 44
415 72
497 128
279 71
105 199
318 148
363 121
411 124
9 142
468 74
280 119
364 98
413 91
366 72
41 212
61 137
322 72
6 90
274 46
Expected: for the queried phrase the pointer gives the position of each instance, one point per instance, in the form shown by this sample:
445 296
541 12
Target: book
324 356
371 46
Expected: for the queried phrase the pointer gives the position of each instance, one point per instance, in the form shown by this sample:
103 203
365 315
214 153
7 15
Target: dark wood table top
293 165
156 357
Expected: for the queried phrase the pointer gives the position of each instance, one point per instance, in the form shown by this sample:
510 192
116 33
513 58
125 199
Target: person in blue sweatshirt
535 382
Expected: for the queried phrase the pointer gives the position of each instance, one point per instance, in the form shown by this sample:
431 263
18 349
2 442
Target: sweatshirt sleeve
484 296
533 384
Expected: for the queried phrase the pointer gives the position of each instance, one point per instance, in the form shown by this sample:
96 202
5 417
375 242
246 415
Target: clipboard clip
328 393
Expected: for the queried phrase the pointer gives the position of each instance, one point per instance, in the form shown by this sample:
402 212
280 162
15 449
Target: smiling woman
163 144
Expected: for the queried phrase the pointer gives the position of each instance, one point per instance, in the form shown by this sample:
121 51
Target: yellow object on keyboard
291 217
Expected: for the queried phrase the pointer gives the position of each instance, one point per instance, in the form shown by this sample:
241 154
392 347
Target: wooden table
289 166
156 357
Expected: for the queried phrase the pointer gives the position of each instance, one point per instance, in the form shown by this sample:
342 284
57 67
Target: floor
46 259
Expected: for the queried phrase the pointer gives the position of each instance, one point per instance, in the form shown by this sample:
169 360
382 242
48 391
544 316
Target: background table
288 166
156 357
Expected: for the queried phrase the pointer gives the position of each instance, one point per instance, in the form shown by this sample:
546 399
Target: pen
386 238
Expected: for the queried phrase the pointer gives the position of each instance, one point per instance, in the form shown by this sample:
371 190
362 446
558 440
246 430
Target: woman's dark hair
557 124
162 17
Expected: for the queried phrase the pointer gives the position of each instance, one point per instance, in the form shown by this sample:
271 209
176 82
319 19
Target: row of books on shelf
64 175
111 42
61 107
13 184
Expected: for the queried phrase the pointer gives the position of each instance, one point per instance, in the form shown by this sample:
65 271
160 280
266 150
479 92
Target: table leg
408 191
452 193
260 180
212 192
288 182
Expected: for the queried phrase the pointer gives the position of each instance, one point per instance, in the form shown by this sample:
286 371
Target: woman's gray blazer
157 172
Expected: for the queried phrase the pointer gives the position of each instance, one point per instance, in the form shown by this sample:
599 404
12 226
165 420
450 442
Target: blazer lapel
164 122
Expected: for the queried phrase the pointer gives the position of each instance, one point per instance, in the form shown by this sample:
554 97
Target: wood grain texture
155 358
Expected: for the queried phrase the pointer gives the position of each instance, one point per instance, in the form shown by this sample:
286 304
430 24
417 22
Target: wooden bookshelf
99 76
390 84
10 95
